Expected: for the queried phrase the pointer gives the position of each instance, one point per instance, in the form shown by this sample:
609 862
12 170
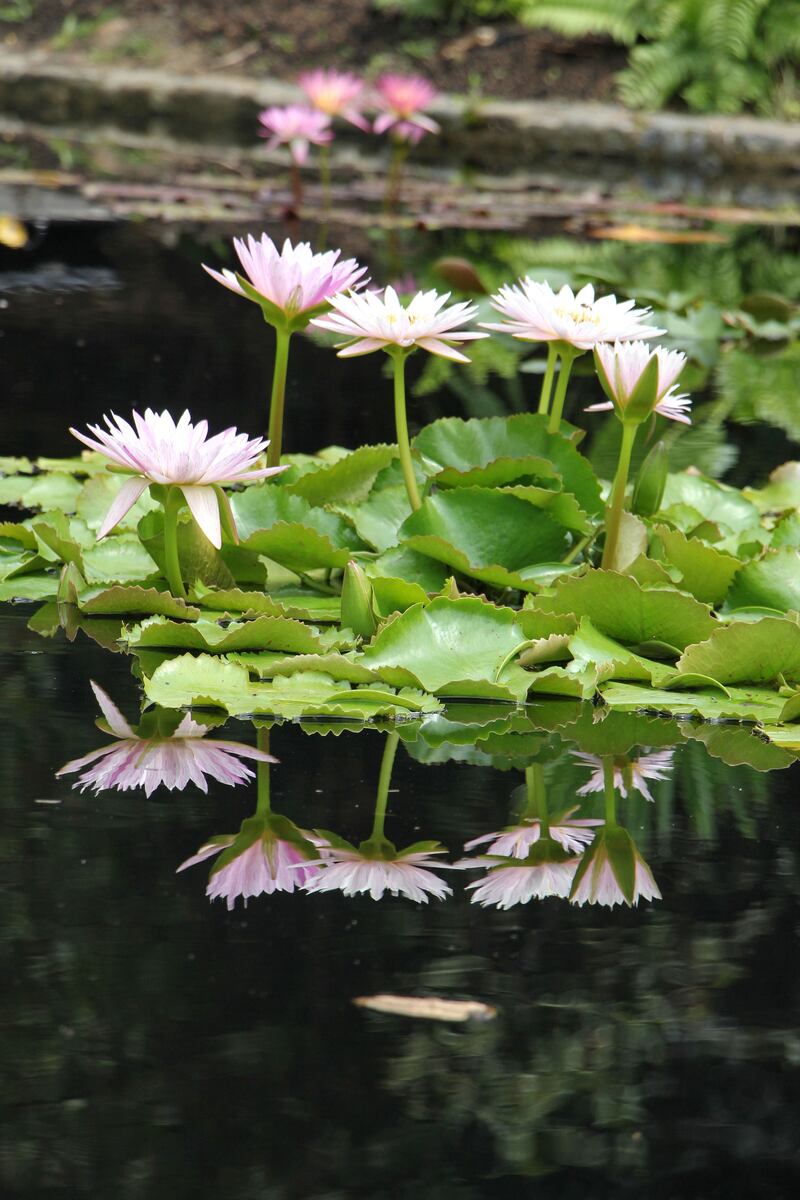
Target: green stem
537 796
617 497
263 806
172 507
384 779
297 187
547 380
609 791
278 397
394 176
568 356
325 180
401 424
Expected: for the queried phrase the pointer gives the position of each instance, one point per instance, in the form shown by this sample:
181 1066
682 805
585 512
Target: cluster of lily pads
482 559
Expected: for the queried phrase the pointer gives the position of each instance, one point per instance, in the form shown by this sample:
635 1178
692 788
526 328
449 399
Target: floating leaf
287 529
262 633
378 520
120 559
620 608
485 534
737 746
346 481
459 647
54 491
704 571
499 450
303 605
764 651
29 587
208 680
590 648
771 582
739 704
713 501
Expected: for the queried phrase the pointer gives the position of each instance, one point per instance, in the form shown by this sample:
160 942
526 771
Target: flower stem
297 187
568 356
547 380
394 176
617 498
537 797
277 400
172 506
384 779
262 775
402 430
609 791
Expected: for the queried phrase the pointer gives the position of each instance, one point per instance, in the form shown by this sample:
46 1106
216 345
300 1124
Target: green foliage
715 55
454 14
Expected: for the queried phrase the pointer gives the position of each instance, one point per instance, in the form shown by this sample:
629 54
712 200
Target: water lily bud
357 607
648 491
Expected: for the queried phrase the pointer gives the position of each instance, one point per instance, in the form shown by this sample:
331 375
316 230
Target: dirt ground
278 38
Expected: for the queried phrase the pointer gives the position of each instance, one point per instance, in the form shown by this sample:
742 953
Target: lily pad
287 529
738 745
488 535
377 521
303 605
346 481
714 501
54 491
764 651
704 571
262 633
739 704
462 647
770 582
590 648
622 609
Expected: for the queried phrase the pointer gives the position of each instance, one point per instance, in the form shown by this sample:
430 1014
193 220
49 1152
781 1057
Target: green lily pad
262 633
485 534
713 501
401 577
622 609
377 521
54 491
739 704
346 481
590 648
337 666
121 600
603 731
759 652
302 604
770 582
287 529
214 682
29 587
738 745
458 647
121 559
494 451
704 571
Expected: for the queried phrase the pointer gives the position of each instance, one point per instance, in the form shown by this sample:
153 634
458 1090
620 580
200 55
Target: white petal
204 508
123 502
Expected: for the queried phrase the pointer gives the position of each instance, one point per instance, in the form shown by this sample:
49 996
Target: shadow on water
155 1045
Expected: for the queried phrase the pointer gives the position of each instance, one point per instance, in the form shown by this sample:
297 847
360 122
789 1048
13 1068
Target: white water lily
533 312
630 773
343 868
374 321
621 367
573 833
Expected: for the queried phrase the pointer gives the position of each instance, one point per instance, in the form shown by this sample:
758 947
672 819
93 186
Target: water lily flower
374 321
297 127
629 773
535 313
547 870
292 284
402 97
376 866
612 871
570 323
371 321
149 757
184 461
621 367
335 93
573 833
269 854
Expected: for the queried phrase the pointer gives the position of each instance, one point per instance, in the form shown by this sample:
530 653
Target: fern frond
576 18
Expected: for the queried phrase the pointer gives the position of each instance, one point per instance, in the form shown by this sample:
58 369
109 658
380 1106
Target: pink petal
204 508
123 502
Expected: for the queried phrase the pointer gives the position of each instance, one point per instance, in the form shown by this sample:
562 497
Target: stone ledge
493 134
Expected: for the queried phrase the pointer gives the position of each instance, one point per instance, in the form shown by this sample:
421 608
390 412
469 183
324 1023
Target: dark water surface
155 1045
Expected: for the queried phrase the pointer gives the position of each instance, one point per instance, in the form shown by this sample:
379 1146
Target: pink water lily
630 773
156 450
133 760
297 127
402 97
269 854
505 885
622 365
371 321
573 833
294 280
533 312
335 93
353 872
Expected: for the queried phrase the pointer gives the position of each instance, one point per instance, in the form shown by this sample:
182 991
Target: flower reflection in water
612 871
269 854
159 753
376 866
629 773
534 859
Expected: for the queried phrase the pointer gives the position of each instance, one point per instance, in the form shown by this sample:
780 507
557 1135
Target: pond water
157 1045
